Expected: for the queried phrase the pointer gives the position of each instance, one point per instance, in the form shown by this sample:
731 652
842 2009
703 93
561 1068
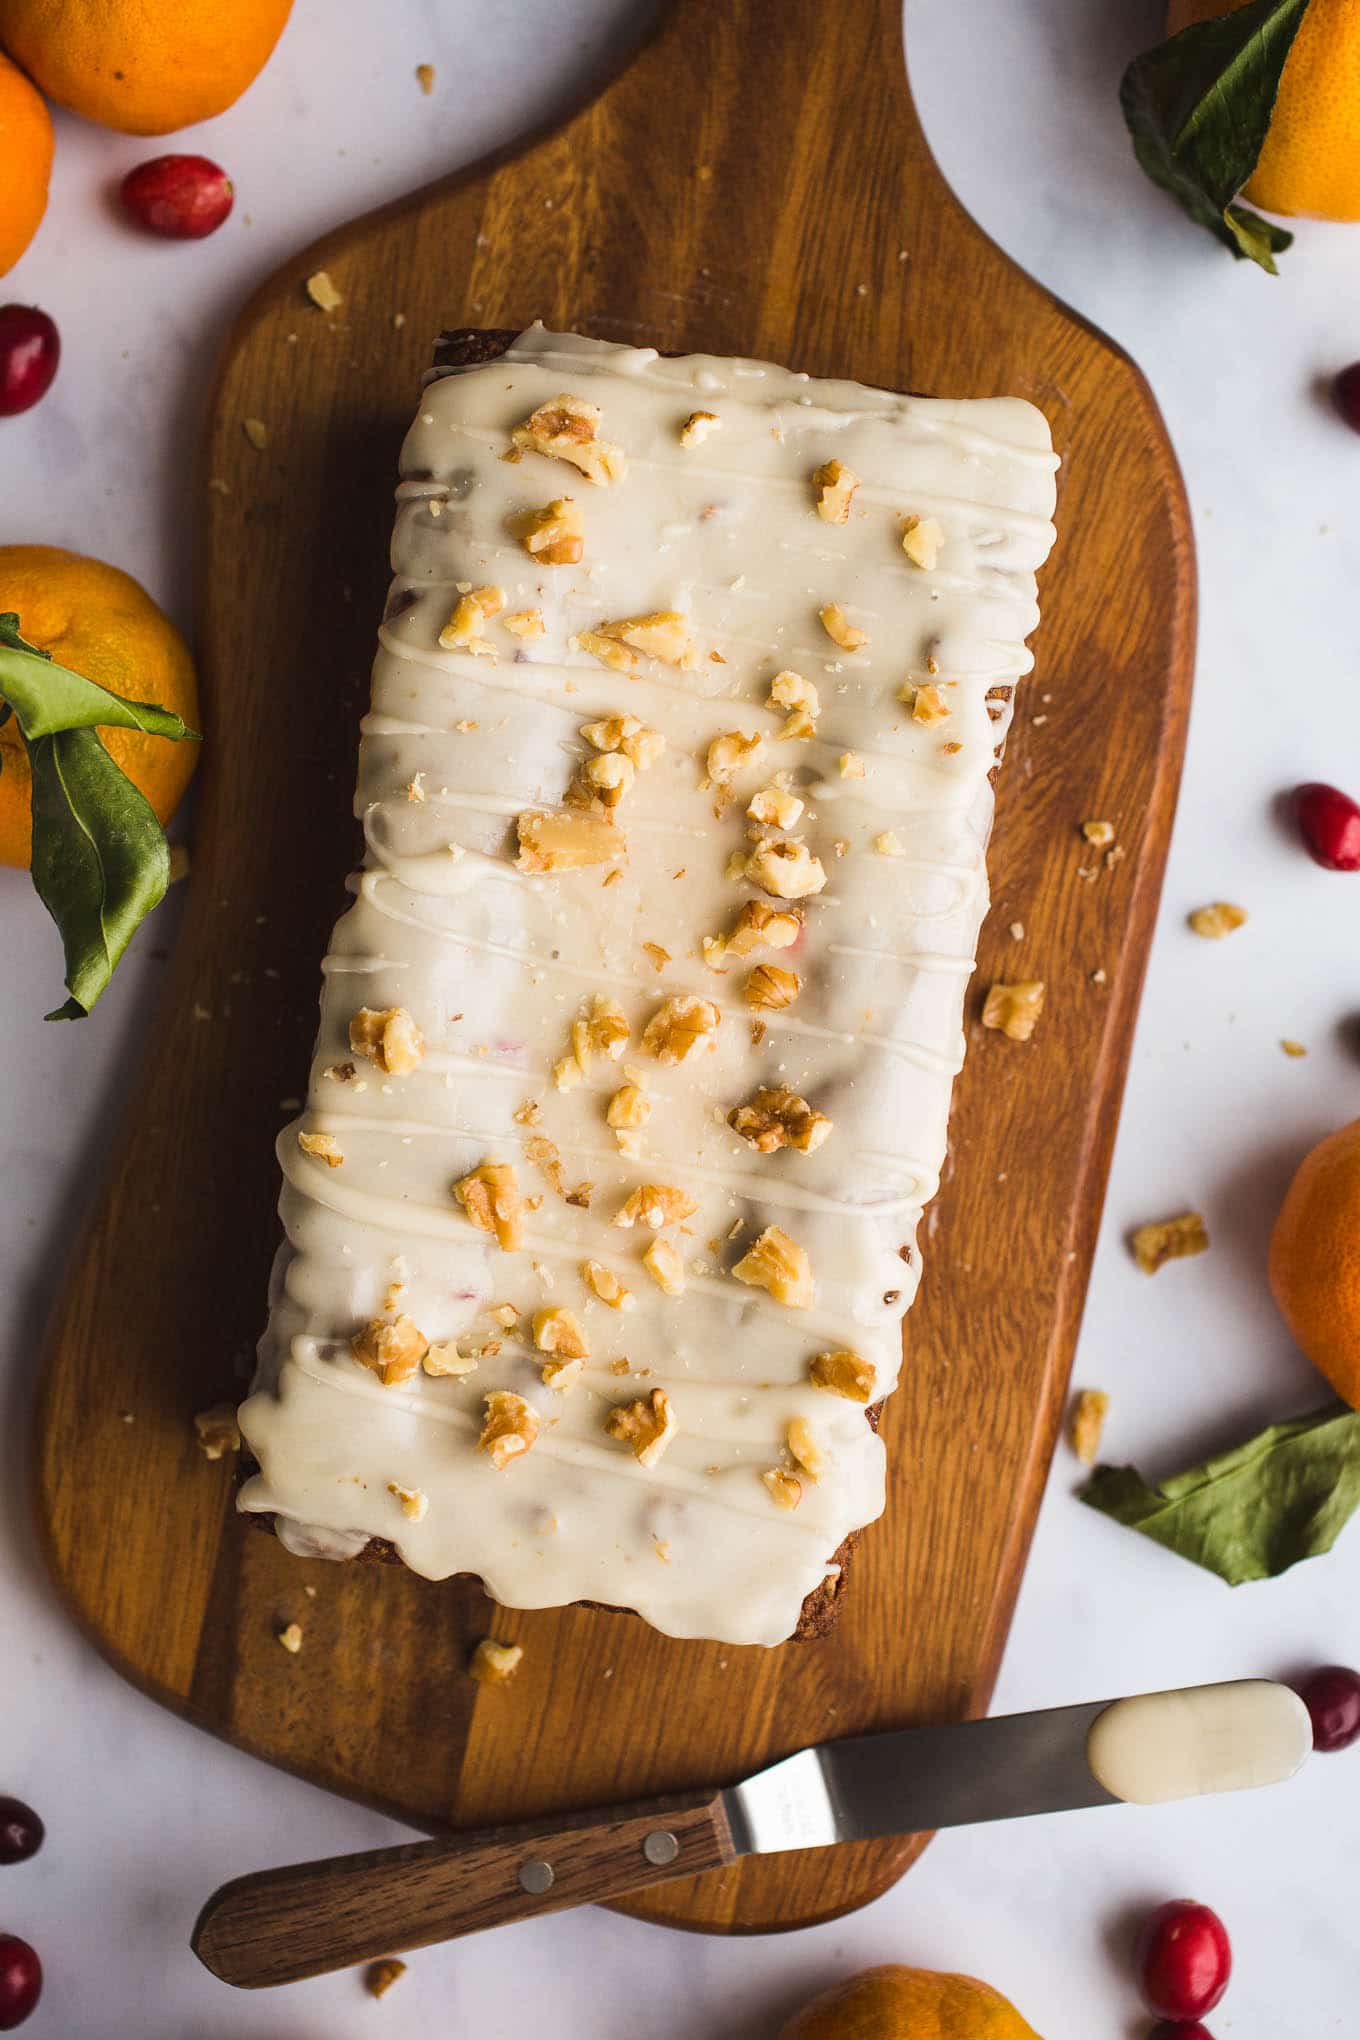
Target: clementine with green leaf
897 2003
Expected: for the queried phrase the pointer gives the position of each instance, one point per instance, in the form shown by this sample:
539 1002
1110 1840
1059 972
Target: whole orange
99 622
26 153
1315 1259
1311 160
144 66
896 2003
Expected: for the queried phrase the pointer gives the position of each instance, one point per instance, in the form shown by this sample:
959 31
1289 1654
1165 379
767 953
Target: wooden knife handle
278 1926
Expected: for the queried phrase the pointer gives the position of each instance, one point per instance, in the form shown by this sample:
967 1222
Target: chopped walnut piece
775 807
616 656
415 1503
492 1663
446 1356
843 1373
927 703
678 1026
850 765
524 623
322 292
217 1430
324 1146
790 690
257 432
834 485
601 783
655 1205
553 535
922 538
888 844
290 1636
1170 1239
466 627
568 429
656 955
389 1038
566 842
729 753
697 427
527 1114
1089 1409
839 628
1014 1009
642 747
628 1112
786 868
543 1153
661 634
1216 921
1099 833
415 787
803 1445
561 1375
1293 1048
666 1265
605 1284
770 987
510 1429
604 1031
779 1118
558 1331
390 1348
785 1489
777 1263
647 1425
760 925
379 1977
490 1197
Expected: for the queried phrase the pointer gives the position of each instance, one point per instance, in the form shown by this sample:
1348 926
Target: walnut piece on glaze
888 844
655 1205
850 765
553 535
559 1332
217 1430
777 1263
666 1265
524 623
834 486
600 783
786 868
769 987
731 753
568 428
446 1356
544 1155
784 1489
323 1147
466 628
391 1348
679 1026
1169 1239
415 1503
647 1426
493 1663
389 1038
1217 920
779 1118
774 807
609 653
605 1284
757 926
660 634
843 1373
926 702
1013 1010
640 746
791 691
698 426
839 628
567 841
806 1452
1090 1406
656 955
490 1196
922 538
627 1113
510 1429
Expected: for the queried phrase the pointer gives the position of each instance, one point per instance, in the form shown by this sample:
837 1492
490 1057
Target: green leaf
1198 108
1253 1511
47 697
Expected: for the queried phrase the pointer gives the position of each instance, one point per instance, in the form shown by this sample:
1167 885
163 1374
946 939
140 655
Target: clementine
99 622
896 2003
1315 1259
1311 160
26 152
143 66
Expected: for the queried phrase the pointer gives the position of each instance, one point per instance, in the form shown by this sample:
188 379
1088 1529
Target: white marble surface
147 1815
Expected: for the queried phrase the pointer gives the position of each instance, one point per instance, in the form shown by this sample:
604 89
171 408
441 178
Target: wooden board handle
279 1926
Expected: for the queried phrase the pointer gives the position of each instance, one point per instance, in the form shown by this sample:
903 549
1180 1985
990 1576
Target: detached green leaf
1198 108
1255 1510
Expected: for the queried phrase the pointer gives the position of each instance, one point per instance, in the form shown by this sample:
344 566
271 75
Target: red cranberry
21 1832
30 348
1329 822
20 1981
1346 395
1332 1697
1184 1960
182 197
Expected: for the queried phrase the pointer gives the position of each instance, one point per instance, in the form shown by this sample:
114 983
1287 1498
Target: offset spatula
279 1926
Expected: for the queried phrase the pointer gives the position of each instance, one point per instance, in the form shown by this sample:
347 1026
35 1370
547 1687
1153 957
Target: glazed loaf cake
637 1043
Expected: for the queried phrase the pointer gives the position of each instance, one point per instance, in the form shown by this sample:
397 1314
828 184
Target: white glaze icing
494 965
1230 1738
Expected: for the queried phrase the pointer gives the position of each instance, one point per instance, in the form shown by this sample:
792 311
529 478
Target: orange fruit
101 623
26 152
143 66
895 2003
1315 1259
1311 160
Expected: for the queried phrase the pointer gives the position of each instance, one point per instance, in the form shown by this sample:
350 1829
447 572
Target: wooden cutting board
755 182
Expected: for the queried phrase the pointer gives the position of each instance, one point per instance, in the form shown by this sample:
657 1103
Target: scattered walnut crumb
839 628
655 1205
524 623
415 787
777 1263
446 1356
843 1373
425 78
217 1430
340 1073
803 1446
786 868
834 486
566 842
647 1425
568 428
323 292
492 1663
927 704
1099 976
257 432
770 987
729 753
785 1489
490 1197
605 1284
379 1977
678 1026
790 690
1016 931
666 1265
553 534
1216 921
1170 1239
543 1153
888 844
559 1332
1014 1009
510 1429
661 634
779 1118
922 538
390 1348
1293 1048
656 955
698 426
581 1194
415 1503
324 1146
850 765
1101 834
1087 1421
620 1366
290 1636
527 1114
389 1038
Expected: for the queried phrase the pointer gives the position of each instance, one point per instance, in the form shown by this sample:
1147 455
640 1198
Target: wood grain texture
756 182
